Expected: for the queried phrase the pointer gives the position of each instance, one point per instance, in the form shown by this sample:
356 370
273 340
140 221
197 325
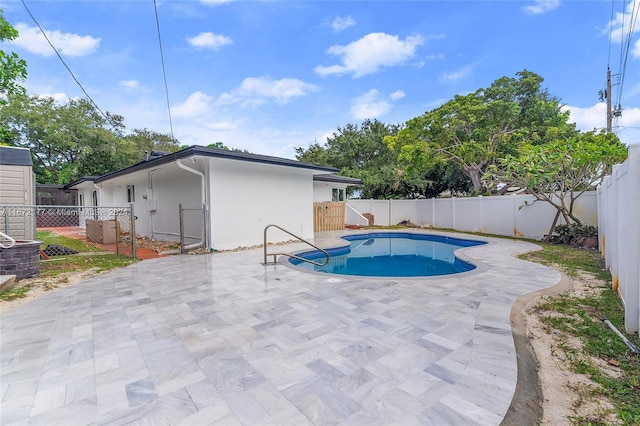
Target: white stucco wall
158 192
243 197
246 197
322 191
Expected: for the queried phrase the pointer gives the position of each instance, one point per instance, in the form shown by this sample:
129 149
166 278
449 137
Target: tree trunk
474 175
547 237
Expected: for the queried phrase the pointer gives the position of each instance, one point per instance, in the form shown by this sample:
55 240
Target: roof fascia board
215 153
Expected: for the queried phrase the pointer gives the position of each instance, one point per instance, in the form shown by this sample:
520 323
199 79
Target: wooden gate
328 216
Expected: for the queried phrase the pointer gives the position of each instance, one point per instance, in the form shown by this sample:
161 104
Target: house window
131 193
81 199
337 194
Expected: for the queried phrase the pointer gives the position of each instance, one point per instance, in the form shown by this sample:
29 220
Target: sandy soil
565 394
41 286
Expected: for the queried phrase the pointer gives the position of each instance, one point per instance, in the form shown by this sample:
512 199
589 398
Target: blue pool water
397 254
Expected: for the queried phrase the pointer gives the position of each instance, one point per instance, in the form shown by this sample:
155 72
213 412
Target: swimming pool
392 254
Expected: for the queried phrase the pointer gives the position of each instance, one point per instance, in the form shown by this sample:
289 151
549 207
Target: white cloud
370 105
61 98
223 125
68 44
209 41
198 104
457 75
398 94
541 6
254 91
587 119
340 24
129 84
627 127
621 25
636 49
215 2
197 111
370 53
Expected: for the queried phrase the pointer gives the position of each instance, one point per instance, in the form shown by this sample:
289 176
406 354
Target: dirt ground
564 393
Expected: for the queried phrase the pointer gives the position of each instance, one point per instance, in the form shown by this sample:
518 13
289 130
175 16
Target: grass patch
99 262
581 317
77 263
14 293
571 260
48 237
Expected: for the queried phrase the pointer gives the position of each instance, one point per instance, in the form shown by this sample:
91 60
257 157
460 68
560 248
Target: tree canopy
360 151
560 171
73 139
473 131
13 70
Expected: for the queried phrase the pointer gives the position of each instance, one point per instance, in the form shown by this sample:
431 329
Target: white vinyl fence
619 233
510 215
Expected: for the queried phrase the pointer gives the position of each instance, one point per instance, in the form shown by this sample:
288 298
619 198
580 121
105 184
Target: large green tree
560 171
473 131
360 151
72 139
13 70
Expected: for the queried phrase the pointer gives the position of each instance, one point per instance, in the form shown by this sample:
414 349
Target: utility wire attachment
164 72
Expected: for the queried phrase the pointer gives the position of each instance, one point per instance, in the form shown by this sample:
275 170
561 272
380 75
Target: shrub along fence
510 215
619 233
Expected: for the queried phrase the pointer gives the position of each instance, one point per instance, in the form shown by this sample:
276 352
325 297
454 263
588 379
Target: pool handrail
326 260
6 241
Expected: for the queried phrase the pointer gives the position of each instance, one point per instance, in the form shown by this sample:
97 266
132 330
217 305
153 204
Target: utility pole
609 114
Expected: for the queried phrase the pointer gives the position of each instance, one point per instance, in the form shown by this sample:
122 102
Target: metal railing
6 241
326 260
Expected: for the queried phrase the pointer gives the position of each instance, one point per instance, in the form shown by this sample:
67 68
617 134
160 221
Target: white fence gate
619 233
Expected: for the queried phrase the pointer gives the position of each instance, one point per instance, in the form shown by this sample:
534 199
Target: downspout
202 195
151 213
98 200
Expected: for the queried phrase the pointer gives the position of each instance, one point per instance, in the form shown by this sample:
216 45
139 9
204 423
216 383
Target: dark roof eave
338 179
81 180
214 153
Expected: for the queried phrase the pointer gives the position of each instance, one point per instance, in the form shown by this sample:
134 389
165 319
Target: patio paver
222 339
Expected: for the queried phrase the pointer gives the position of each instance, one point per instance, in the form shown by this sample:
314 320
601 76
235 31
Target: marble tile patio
222 339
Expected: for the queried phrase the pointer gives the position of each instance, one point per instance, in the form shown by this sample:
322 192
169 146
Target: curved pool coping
338 243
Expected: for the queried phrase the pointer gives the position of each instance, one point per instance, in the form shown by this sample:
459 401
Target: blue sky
267 76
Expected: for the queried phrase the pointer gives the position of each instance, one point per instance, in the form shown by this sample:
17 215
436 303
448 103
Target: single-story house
240 193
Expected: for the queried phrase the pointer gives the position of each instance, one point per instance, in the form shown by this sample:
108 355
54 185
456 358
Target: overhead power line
106 117
164 72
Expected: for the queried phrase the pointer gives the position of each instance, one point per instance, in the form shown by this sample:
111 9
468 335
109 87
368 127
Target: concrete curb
526 405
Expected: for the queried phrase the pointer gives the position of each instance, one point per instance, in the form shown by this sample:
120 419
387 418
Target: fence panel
509 215
619 229
192 228
402 210
112 227
443 213
466 214
424 212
